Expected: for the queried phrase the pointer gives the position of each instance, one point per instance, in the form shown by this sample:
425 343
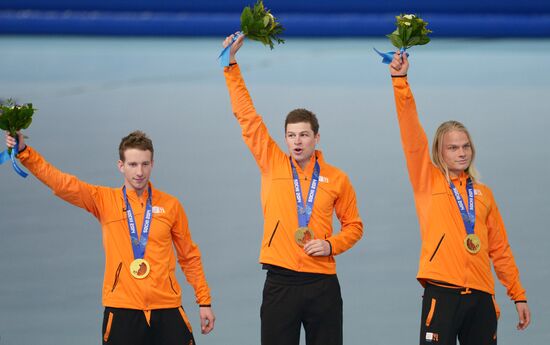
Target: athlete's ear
120 166
317 138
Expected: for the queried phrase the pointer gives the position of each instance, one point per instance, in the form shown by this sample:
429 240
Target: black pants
287 304
448 313
129 327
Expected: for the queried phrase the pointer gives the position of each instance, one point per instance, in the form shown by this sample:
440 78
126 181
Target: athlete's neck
139 192
304 164
455 173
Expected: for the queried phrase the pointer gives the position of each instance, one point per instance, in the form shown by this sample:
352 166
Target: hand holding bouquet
14 118
258 24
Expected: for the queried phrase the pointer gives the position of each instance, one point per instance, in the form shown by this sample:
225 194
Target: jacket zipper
437 248
172 285
273 233
116 276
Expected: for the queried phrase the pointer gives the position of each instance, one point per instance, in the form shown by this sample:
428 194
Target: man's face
301 141
457 152
136 168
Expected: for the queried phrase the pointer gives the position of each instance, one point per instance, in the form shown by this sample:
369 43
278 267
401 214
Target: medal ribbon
305 211
468 215
139 244
5 156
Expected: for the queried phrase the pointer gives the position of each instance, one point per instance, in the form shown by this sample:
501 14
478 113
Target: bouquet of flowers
411 31
14 118
259 24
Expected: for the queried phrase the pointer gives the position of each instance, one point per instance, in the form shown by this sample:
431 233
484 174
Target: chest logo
158 209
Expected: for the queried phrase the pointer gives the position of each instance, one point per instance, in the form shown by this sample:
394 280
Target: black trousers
287 305
451 313
130 327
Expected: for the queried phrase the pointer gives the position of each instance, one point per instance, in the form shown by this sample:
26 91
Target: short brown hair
303 115
135 140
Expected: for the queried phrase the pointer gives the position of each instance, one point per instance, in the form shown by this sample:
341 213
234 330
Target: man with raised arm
461 229
299 193
141 225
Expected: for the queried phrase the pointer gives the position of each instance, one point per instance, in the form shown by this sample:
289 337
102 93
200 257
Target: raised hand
400 64
10 141
235 47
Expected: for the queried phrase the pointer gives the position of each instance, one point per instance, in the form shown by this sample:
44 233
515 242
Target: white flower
407 23
408 16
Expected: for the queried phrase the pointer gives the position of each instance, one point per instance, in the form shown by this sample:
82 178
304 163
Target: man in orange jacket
298 246
140 226
461 229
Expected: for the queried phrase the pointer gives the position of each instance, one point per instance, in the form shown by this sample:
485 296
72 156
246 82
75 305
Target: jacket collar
309 169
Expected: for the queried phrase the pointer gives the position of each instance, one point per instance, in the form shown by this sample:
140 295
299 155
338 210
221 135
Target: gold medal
139 268
303 235
472 243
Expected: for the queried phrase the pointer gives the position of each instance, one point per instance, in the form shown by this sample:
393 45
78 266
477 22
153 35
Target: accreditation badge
472 244
139 268
303 235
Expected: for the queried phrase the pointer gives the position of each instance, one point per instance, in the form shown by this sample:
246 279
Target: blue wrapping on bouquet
388 57
224 55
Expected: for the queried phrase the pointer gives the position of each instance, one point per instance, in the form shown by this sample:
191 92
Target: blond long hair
437 149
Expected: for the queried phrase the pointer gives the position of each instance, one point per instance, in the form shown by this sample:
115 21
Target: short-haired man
461 230
140 225
299 194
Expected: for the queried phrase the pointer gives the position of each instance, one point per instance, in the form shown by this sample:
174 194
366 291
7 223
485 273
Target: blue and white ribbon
388 57
469 214
305 211
224 55
139 243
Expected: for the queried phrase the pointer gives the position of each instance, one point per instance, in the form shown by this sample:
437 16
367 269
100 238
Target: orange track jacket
335 193
160 289
443 256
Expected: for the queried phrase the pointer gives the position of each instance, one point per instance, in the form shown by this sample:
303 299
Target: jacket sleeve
500 253
413 137
189 258
348 214
254 130
65 186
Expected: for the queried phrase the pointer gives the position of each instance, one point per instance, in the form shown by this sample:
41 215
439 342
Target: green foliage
259 24
14 118
411 31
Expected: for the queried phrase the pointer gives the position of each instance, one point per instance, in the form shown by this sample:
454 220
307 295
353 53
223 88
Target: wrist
329 247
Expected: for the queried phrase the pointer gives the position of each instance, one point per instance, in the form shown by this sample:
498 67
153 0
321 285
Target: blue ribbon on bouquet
388 57
224 55
5 156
